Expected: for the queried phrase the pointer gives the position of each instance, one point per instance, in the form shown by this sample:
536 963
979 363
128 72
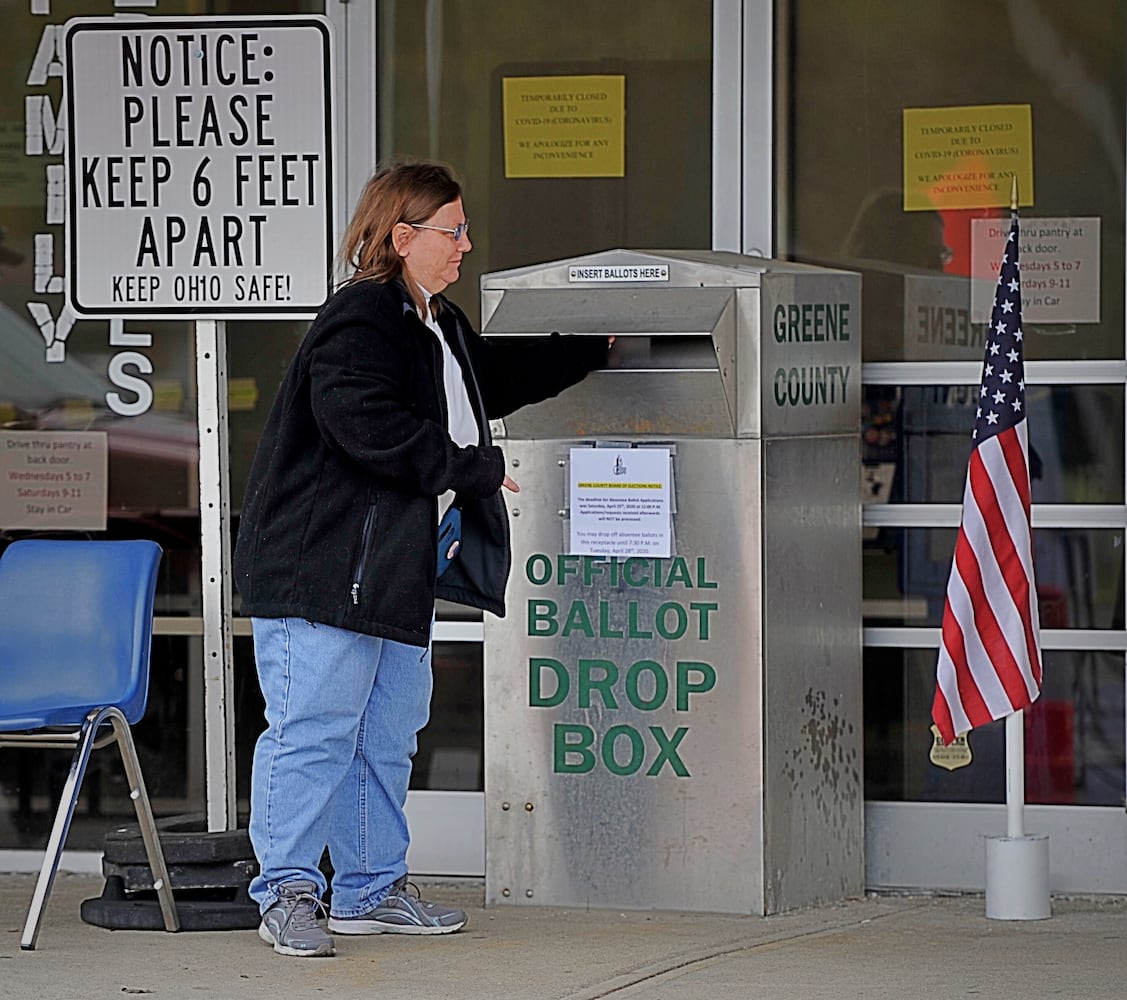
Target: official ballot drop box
673 701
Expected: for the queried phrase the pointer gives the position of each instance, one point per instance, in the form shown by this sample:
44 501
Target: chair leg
161 882
67 803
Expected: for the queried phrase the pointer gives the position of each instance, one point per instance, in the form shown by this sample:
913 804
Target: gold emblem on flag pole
952 757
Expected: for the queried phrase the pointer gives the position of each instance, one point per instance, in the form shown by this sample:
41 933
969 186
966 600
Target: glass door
869 190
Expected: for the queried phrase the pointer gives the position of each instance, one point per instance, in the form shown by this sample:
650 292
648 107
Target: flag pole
1015 723
1015 774
1017 865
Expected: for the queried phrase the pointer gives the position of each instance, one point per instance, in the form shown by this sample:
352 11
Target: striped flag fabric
989 654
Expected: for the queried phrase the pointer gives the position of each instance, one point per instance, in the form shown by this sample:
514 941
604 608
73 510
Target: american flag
989 657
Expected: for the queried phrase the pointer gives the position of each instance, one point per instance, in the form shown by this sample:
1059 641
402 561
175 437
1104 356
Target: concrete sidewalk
878 946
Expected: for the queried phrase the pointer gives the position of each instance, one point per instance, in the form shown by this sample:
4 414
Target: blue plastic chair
76 621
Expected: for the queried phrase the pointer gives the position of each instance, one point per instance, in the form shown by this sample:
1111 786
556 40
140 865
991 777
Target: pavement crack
690 960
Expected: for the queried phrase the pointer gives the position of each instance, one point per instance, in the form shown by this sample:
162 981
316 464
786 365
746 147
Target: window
854 69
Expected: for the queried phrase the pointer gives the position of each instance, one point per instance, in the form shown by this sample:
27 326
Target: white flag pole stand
1017 866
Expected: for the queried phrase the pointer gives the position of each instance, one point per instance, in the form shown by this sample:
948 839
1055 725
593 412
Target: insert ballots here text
199 166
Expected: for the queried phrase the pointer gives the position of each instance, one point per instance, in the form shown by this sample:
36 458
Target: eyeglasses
460 230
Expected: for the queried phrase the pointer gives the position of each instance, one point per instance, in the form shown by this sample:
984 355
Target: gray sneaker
290 925
402 912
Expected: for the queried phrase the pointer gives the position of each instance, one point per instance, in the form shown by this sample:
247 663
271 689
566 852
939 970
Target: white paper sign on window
1060 268
53 480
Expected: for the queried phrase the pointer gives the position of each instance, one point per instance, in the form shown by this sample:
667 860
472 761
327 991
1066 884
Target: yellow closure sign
564 126
966 157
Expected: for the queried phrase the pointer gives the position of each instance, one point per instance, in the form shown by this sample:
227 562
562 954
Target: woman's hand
511 485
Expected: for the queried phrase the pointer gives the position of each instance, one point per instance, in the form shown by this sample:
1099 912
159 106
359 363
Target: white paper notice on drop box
619 500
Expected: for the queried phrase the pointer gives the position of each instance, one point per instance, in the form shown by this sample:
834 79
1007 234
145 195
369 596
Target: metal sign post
215 531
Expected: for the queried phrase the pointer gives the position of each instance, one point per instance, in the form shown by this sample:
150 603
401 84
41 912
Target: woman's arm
516 371
363 382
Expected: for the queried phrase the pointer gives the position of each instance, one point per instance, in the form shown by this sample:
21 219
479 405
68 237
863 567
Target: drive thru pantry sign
199 166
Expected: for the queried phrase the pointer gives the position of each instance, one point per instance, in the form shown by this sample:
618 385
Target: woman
380 424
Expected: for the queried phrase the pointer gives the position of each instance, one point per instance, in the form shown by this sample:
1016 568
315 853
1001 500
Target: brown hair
404 191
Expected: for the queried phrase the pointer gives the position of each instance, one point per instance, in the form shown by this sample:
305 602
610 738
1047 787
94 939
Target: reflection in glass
917 441
1079 575
1074 740
441 98
854 69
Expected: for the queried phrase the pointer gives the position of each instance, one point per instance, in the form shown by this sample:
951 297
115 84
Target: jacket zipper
365 545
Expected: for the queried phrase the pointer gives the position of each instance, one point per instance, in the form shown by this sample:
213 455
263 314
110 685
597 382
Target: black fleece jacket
339 521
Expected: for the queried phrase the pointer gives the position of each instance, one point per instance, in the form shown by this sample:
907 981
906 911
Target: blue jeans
332 768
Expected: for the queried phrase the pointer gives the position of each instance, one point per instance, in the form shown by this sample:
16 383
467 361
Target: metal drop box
683 731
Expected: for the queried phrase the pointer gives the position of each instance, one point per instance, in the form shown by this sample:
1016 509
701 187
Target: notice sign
564 126
199 166
620 502
53 480
967 157
1060 268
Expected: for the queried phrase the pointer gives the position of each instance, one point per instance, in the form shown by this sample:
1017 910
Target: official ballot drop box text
673 701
